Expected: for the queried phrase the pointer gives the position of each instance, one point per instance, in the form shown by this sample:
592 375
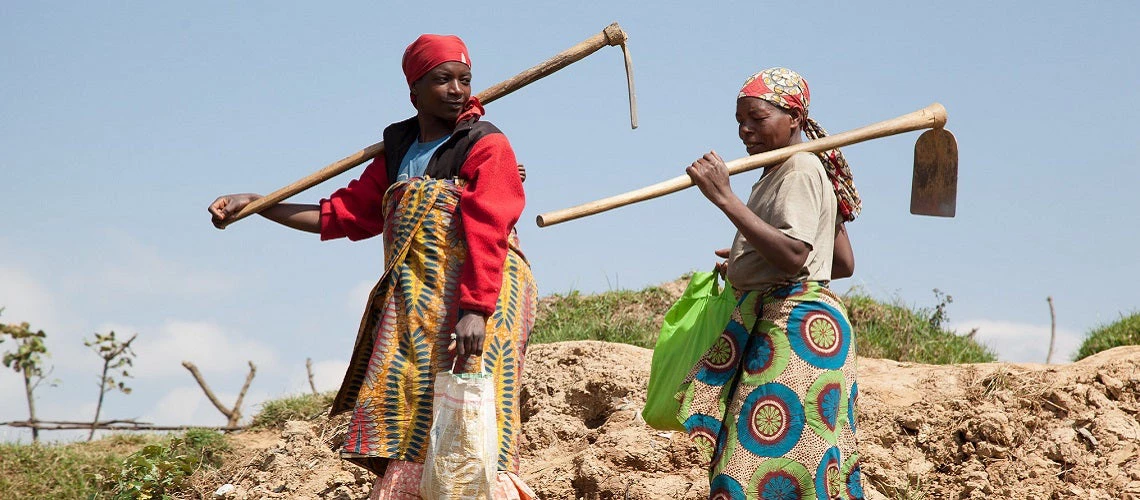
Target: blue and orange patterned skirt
771 404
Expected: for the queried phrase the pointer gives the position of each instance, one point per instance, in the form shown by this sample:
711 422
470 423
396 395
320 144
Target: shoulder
804 162
804 167
402 128
485 135
483 127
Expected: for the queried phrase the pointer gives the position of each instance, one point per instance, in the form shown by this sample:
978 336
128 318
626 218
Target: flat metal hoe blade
934 190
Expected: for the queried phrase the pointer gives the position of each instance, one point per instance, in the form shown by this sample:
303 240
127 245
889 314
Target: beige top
797 199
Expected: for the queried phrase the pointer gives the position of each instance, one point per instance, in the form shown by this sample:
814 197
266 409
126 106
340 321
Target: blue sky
121 121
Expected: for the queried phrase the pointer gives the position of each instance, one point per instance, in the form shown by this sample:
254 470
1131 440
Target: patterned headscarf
788 90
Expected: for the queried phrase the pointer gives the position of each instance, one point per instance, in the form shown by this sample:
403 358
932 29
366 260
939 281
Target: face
764 127
442 92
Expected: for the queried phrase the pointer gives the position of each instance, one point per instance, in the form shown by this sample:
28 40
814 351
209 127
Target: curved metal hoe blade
934 190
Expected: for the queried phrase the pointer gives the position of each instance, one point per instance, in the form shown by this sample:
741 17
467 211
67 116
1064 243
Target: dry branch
233 415
309 361
113 425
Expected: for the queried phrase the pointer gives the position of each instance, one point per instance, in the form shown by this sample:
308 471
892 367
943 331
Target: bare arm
304 217
843 260
710 174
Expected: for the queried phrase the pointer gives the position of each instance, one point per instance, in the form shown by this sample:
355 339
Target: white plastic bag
463 454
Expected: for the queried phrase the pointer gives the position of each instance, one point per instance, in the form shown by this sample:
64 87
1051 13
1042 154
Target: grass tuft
624 316
120 466
306 406
68 470
891 331
1125 331
894 331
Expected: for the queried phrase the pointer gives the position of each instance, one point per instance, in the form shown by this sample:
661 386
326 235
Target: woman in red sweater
456 292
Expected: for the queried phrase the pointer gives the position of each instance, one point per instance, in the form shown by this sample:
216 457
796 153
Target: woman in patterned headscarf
456 293
772 403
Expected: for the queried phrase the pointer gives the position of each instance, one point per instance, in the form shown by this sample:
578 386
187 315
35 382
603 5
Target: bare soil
994 430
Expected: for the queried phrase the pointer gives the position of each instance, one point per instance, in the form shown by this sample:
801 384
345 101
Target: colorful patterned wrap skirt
407 326
771 404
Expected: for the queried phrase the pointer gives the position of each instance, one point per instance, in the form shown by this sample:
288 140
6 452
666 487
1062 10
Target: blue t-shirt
416 160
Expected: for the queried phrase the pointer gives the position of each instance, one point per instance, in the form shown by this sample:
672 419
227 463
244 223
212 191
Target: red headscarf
429 51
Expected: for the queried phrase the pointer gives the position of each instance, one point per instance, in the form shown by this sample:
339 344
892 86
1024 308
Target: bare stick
309 368
206 388
236 414
233 415
1052 330
112 425
612 35
933 116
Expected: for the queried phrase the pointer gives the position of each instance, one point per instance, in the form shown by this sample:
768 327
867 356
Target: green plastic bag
691 326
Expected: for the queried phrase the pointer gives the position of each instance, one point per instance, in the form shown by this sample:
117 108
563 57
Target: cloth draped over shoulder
403 336
787 90
491 200
449 246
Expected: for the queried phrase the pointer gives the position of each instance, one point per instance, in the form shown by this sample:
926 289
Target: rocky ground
994 430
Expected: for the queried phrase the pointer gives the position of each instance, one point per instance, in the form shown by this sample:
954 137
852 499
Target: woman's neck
796 138
433 128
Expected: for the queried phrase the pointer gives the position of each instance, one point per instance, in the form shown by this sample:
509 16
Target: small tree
27 360
117 355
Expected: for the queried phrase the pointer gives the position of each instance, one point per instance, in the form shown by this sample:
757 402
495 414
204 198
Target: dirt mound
958 432
999 430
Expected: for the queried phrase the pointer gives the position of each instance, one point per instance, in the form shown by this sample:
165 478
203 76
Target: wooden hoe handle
611 35
932 116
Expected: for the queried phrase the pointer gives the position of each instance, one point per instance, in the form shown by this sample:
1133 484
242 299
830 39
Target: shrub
160 469
1125 331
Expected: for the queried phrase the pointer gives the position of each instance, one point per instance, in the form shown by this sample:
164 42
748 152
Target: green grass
882 330
894 331
624 316
275 413
131 466
1125 331
51 471
119 467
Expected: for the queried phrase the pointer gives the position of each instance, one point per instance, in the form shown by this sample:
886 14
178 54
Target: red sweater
489 206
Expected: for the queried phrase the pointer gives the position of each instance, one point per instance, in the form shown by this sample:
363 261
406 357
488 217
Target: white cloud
25 299
1022 342
182 406
212 349
188 405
